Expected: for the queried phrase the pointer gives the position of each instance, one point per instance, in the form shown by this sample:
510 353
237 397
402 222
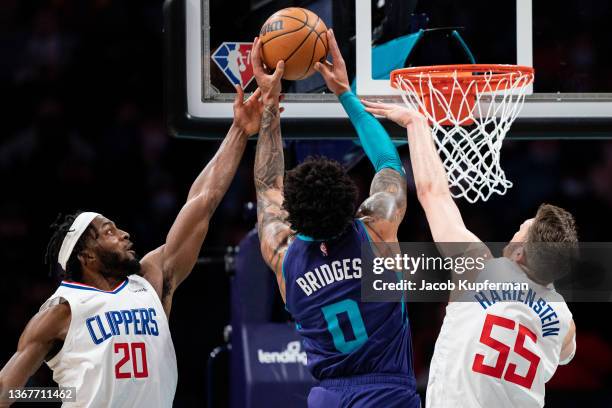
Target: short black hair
320 198
60 228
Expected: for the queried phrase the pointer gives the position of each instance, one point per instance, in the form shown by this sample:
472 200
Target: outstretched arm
442 214
42 336
384 210
273 230
167 266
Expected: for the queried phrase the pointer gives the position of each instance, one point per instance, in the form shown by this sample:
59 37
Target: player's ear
518 255
86 256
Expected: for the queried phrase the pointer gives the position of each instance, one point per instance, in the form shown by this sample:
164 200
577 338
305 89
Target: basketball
296 36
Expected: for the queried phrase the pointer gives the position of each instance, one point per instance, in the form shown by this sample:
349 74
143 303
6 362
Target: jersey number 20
519 348
137 353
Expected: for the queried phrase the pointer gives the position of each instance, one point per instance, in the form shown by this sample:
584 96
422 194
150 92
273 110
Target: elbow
425 190
428 190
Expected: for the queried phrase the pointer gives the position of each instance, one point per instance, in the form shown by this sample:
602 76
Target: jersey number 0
351 308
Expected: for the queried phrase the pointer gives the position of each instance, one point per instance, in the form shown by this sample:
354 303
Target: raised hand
397 113
335 75
270 84
247 114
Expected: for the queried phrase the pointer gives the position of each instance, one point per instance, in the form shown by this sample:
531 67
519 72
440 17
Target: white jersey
118 351
500 348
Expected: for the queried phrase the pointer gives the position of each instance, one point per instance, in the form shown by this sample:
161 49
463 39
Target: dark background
82 128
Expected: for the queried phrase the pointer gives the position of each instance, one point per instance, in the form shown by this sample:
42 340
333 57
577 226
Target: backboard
568 47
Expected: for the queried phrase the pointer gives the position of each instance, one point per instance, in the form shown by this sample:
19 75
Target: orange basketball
296 36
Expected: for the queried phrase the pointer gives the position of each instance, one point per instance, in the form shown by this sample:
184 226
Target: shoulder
151 268
51 322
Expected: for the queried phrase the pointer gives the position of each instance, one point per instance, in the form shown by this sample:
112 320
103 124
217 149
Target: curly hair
320 198
60 228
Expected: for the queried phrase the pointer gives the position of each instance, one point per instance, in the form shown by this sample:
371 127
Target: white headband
80 224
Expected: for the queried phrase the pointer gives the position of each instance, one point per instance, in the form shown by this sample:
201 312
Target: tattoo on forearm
269 171
390 181
269 159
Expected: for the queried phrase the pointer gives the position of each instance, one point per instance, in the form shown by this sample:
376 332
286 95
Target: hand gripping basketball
335 75
270 84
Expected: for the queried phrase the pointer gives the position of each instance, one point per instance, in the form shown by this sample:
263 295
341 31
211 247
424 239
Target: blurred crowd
83 128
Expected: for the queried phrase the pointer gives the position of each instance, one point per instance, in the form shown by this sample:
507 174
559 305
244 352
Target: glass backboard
567 45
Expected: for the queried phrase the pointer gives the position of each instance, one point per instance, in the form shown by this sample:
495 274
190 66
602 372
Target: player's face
114 249
510 251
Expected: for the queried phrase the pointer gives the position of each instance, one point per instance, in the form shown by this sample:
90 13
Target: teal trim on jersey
311 239
306 238
285 276
331 312
365 229
283 267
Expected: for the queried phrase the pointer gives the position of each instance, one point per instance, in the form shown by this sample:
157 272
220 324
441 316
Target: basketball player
311 237
499 348
105 330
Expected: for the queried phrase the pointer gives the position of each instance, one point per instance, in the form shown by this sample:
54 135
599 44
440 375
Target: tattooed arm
384 209
273 230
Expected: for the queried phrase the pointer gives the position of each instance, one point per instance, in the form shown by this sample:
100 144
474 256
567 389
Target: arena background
81 87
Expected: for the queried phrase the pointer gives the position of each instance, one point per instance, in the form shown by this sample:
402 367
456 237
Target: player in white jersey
499 348
105 330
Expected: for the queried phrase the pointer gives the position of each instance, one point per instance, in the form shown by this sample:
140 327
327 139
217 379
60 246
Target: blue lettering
539 305
142 320
548 316
548 309
144 317
530 298
127 319
105 335
136 321
95 339
550 331
154 329
507 295
494 296
482 299
117 320
113 329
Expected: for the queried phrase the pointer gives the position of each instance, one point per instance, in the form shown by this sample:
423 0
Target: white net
470 116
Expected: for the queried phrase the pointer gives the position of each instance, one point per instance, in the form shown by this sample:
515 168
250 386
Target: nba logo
234 59
323 248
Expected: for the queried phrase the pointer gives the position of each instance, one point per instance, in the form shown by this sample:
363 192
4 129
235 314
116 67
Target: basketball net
470 110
